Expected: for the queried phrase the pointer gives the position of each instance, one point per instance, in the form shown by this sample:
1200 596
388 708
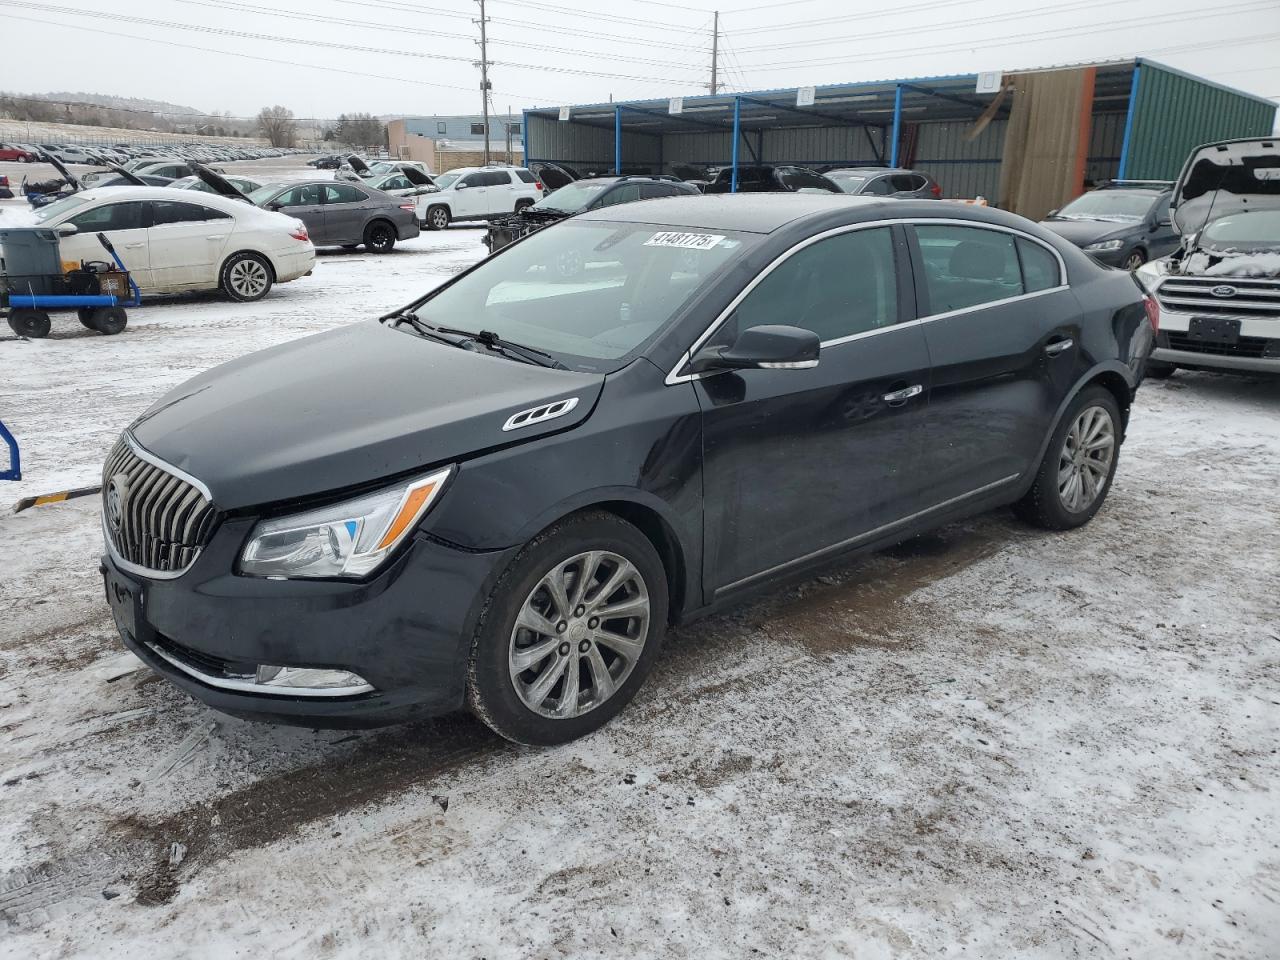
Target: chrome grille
1252 298
154 519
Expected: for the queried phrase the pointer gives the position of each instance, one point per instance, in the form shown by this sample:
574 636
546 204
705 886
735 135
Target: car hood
1084 232
351 406
1221 179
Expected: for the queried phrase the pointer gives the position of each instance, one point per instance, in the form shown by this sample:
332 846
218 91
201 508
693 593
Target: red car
9 151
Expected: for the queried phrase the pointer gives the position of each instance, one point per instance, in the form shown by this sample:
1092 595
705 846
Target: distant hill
121 103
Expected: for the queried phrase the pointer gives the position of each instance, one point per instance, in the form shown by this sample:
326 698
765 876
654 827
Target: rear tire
27 322
1079 464
110 320
379 237
85 315
1159 370
437 218
513 689
246 277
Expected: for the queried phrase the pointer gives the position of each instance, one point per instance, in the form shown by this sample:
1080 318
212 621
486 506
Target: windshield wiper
427 330
497 344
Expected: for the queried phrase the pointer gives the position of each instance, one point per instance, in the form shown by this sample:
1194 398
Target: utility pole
484 77
715 51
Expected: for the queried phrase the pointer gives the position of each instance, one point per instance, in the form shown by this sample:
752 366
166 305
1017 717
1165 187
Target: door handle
1059 346
134 246
898 397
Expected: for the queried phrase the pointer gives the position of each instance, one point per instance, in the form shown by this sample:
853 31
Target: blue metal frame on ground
14 472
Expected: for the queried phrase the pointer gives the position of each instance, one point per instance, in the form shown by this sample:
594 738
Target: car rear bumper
406 633
409 229
292 264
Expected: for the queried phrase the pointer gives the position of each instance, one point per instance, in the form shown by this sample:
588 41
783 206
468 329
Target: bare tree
360 130
278 126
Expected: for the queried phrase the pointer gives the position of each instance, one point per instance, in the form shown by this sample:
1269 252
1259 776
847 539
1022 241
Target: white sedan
172 242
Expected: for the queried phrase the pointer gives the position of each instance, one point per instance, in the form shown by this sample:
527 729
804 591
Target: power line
324 44
1059 33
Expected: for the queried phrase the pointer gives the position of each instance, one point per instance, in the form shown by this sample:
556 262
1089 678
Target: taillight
408 206
936 189
1153 312
300 233
537 185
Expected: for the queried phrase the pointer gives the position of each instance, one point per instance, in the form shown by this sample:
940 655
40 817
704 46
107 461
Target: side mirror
67 229
1165 221
274 207
1052 213
460 185
770 347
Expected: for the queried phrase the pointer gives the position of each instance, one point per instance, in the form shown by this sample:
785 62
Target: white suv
480 193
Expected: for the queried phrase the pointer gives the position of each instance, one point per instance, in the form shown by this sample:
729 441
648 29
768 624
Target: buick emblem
1224 290
114 504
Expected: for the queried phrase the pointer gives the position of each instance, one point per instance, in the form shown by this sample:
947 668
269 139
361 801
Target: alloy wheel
1085 461
439 218
248 278
579 634
1134 261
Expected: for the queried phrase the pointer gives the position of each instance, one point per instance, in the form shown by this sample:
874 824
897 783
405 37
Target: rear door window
342 193
496 178
305 195
649 191
967 266
172 211
623 194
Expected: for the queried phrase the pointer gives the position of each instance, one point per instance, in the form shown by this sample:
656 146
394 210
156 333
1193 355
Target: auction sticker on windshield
686 241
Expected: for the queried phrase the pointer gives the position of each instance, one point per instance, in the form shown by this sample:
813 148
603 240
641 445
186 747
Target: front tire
246 277
1079 464
570 631
110 320
379 237
437 218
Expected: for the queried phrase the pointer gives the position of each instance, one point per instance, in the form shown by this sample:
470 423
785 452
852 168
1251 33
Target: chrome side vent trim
548 411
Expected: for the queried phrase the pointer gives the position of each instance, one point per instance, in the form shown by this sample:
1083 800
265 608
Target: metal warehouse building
1027 141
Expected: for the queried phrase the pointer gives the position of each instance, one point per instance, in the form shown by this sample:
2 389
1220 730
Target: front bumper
1258 350
407 631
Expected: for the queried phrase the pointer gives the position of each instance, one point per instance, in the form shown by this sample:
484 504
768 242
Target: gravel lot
988 742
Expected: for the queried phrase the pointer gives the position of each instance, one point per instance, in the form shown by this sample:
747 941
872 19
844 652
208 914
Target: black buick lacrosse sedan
502 494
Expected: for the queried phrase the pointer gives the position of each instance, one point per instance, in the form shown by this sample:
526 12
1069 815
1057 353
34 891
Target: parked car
343 214
174 245
548 466
1220 290
118 180
330 162
1122 223
15 151
242 184
578 197
771 179
481 193
73 154
885 182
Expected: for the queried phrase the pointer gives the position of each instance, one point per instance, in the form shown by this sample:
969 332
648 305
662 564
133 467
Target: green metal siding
1174 114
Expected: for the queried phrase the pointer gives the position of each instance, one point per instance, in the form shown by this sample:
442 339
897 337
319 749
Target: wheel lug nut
584 646
561 627
564 649
580 611
593 622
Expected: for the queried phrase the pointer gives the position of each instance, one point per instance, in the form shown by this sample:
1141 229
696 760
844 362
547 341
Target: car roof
869 171
748 212
120 194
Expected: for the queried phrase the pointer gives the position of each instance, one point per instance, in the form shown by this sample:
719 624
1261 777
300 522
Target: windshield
59 207
585 290
573 197
1243 232
1109 205
264 193
446 179
382 167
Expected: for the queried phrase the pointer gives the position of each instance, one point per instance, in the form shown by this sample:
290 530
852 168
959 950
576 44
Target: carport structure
1031 140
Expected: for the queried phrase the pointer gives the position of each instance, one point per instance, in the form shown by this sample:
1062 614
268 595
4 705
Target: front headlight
1149 274
347 539
1105 245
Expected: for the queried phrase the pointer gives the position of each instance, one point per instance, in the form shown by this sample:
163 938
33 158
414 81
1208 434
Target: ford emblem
1224 290
115 501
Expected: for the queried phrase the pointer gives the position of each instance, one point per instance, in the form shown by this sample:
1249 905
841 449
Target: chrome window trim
866 535
674 376
247 686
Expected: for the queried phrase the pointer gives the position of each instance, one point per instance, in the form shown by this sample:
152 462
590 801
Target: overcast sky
417 57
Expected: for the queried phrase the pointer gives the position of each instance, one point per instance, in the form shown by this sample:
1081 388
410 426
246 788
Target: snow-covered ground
990 742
